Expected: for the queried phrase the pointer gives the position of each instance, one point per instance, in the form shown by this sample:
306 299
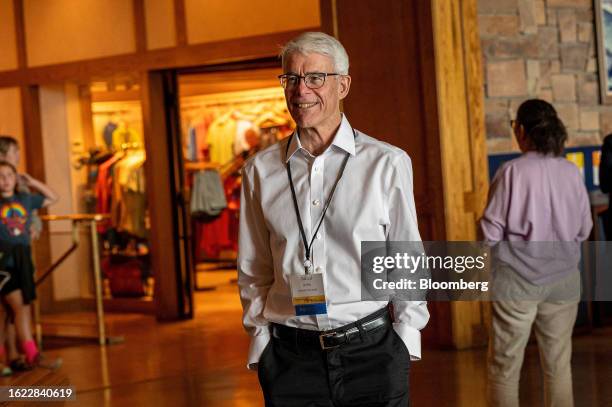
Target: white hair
318 43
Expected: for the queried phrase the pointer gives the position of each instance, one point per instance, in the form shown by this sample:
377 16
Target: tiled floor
201 363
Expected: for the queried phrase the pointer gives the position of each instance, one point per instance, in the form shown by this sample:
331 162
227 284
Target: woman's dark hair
542 126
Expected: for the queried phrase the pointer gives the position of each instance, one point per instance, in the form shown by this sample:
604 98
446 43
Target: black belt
334 337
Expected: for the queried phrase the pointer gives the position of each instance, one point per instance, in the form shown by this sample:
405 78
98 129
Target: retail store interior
140 114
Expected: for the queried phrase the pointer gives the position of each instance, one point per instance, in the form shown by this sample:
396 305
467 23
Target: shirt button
316 202
318 236
316 169
319 269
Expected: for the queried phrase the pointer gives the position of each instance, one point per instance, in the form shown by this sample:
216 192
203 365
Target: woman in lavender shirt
537 204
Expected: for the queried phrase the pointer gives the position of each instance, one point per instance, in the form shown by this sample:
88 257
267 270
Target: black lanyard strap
307 246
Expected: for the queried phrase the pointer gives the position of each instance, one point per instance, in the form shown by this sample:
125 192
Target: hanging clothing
221 139
240 138
107 133
103 189
124 135
201 138
207 197
220 234
196 147
129 200
191 146
213 237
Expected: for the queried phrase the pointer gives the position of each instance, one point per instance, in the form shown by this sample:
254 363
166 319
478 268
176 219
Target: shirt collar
344 139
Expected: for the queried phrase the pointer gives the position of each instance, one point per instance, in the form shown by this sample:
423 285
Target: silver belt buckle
322 342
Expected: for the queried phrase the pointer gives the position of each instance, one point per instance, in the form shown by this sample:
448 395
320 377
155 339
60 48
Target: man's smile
305 105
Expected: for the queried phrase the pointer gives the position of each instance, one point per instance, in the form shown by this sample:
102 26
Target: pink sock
30 349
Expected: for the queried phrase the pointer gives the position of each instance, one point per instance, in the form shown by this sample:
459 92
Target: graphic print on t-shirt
14 216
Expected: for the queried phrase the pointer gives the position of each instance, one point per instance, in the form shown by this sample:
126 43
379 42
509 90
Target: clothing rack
232 98
201 165
224 169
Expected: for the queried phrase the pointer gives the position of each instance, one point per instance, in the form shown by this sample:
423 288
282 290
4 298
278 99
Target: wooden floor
201 363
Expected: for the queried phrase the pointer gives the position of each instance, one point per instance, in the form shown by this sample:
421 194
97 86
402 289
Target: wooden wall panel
33 152
60 128
417 84
387 93
54 35
160 23
462 140
20 34
477 197
215 20
140 25
453 112
393 98
8 42
180 22
11 121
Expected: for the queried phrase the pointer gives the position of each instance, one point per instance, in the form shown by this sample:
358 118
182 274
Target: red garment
104 185
232 192
222 233
214 237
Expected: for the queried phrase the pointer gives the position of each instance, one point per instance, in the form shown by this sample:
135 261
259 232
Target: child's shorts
17 272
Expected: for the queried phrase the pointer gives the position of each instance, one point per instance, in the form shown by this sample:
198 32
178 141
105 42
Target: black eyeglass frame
283 78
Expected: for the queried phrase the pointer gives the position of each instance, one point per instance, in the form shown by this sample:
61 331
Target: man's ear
345 85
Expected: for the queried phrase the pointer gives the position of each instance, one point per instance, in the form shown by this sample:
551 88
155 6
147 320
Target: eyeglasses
312 80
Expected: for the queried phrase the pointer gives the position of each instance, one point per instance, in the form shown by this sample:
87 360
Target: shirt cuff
411 338
256 348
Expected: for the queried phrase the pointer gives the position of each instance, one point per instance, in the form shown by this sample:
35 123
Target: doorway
223 115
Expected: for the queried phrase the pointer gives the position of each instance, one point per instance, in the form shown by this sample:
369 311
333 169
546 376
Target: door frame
171 235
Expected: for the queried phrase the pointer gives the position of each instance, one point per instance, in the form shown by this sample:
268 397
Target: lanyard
307 246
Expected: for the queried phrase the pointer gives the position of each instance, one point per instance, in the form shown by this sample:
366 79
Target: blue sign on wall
582 156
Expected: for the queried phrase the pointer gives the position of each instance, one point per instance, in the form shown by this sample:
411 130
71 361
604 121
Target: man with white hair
307 204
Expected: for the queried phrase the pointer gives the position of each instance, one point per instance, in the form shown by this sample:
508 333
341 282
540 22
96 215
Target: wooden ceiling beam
235 50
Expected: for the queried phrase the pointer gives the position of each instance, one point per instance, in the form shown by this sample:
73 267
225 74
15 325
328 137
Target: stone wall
544 49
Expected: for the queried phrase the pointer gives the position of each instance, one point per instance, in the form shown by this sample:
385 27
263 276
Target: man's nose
301 87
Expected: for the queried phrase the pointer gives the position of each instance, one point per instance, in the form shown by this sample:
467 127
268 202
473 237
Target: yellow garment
221 135
125 135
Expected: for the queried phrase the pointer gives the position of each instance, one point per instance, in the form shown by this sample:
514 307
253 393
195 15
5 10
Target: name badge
308 294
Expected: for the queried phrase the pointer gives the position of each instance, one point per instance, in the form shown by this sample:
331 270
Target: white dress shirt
373 201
